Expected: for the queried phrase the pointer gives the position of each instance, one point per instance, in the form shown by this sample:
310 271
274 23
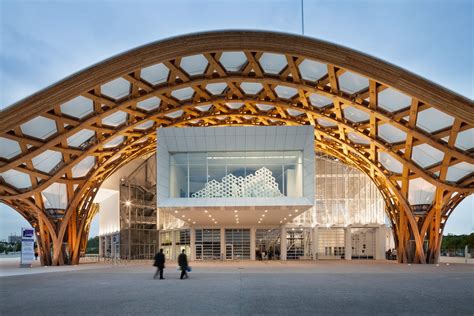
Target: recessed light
209 215
182 215
194 222
205 211
176 212
263 215
284 219
235 211
281 222
289 215
236 215
189 219
296 211
266 211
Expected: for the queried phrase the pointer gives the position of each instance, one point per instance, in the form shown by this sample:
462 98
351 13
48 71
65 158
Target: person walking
183 264
159 264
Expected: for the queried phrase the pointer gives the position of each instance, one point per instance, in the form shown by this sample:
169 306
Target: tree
93 245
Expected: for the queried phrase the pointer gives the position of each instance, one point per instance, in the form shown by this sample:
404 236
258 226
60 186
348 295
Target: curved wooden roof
404 131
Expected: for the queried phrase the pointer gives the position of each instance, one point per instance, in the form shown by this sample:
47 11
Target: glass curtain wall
208 244
236 174
237 244
299 243
267 244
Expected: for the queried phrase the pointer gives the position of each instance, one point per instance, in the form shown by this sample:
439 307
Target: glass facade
237 244
208 244
236 174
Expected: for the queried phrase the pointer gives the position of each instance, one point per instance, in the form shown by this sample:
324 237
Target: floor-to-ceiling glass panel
267 244
363 243
299 243
237 244
208 244
331 243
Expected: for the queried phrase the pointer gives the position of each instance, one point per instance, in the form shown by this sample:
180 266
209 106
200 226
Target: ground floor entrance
276 243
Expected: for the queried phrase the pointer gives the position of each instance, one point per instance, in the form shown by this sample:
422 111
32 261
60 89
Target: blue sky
45 41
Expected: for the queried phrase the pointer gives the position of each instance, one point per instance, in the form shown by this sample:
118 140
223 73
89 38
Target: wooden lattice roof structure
414 138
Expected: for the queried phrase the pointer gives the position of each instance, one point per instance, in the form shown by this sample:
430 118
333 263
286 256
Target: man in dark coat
183 264
159 264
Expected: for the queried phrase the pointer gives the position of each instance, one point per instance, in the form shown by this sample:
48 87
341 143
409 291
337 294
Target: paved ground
244 288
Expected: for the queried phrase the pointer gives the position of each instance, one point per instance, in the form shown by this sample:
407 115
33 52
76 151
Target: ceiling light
194 222
205 211
182 215
189 219
296 211
263 215
289 215
128 203
284 219
175 212
281 222
235 211
209 215
266 211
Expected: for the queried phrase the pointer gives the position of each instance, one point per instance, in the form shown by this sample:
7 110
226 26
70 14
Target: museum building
239 193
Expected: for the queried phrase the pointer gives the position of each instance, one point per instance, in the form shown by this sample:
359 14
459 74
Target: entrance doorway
363 243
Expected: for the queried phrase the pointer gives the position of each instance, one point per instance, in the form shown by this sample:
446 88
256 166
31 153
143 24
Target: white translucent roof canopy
83 167
265 107
39 127
233 61
312 70
391 134
420 192
194 65
9 148
285 92
326 123
459 171
234 105
432 120
114 142
216 88
115 119
319 101
17 179
116 89
149 104
175 114
78 107
390 163
47 160
155 74
392 100
272 63
358 139
294 112
146 125
80 137
425 155
183 94
465 139
355 115
203 108
55 196
350 82
251 87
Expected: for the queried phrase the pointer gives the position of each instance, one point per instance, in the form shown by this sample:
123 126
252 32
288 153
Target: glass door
229 252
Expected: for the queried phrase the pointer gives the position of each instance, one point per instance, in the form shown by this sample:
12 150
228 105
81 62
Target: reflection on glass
236 174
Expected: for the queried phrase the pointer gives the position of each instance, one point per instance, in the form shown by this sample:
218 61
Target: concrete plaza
242 288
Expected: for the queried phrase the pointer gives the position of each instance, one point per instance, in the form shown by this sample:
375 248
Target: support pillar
192 240
101 248
222 243
252 242
380 243
315 243
347 243
283 244
173 245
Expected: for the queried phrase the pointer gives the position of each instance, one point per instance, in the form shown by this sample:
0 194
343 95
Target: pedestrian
183 264
36 255
159 264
